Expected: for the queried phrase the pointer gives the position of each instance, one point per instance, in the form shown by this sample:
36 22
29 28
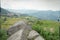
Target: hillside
45 15
46 28
3 11
41 14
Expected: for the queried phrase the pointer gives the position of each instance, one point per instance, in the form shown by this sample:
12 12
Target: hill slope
46 15
3 11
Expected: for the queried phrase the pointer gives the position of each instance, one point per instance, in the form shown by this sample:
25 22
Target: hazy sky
31 4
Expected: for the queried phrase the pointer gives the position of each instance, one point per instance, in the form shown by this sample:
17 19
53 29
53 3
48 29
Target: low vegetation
49 29
3 34
46 28
9 22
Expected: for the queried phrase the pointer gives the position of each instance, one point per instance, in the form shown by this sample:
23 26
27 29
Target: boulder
17 26
16 36
39 38
22 31
32 34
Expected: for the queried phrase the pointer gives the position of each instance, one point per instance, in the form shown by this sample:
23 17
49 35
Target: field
46 28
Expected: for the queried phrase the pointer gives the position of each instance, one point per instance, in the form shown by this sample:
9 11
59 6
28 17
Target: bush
3 35
44 29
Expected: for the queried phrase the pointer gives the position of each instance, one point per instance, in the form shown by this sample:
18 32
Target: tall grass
48 29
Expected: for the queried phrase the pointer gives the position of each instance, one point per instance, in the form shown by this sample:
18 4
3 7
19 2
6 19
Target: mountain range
3 11
41 14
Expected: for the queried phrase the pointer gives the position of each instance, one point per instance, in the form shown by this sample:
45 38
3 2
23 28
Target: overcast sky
31 4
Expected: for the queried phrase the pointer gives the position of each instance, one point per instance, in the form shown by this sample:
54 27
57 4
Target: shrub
3 35
47 29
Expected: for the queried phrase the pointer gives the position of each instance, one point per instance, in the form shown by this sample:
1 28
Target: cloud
31 4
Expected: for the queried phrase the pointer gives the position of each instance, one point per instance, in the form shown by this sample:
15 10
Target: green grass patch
48 29
3 35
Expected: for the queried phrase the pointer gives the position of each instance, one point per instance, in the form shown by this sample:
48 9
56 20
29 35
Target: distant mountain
11 13
3 11
48 15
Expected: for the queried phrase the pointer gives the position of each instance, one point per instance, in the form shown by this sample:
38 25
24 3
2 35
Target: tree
5 19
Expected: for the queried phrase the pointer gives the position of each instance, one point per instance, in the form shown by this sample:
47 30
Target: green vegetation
46 28
5 23
9 22
3 34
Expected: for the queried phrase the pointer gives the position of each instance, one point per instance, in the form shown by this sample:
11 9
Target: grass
46 28
9 22
5 25
3 35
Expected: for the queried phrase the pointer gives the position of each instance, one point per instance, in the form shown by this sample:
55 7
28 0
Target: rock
20 35
32 34
17 26
22 31
39 38
19 31
25 33
16 36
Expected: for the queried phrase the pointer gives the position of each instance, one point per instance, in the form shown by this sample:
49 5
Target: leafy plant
3 35
48 29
